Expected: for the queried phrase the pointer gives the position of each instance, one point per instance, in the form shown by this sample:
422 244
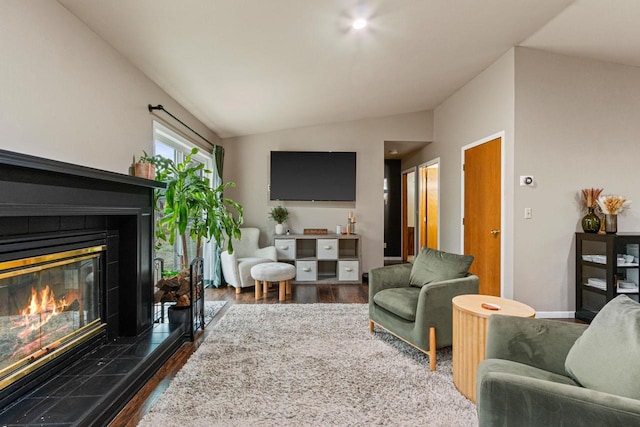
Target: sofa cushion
402 302
432 265
605 357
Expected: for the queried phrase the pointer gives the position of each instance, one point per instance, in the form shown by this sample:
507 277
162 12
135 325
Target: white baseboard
555 314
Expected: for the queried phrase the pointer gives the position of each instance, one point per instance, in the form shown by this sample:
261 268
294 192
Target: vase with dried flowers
611 206
591 221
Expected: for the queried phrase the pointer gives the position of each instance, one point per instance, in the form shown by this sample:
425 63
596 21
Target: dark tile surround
56 201
97 385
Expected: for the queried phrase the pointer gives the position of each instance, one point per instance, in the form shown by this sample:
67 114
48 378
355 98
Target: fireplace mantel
46 197
28 184
33 163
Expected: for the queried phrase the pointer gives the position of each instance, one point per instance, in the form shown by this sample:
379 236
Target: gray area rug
308 365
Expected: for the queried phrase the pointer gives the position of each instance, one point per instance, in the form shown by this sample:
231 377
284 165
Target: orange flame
44 305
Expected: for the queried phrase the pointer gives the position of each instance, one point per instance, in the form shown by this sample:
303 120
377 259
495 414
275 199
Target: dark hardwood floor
302 294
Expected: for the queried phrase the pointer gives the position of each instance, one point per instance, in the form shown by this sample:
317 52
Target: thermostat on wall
526 180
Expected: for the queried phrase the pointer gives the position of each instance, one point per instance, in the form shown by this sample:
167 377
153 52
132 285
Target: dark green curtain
213 273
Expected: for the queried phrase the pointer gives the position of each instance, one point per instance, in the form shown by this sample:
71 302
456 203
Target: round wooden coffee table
470 335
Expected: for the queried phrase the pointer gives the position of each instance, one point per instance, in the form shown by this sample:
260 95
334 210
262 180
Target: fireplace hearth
76 251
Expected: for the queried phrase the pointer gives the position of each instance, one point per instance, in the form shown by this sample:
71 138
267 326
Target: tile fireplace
76 255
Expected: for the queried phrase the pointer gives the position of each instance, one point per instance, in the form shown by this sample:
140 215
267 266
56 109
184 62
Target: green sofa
540 372
413 301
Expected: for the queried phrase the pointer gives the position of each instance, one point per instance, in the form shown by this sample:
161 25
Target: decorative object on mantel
315 231
279 214
144 167
611 206
591 221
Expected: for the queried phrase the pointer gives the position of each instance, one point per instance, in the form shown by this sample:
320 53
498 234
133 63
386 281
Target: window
170 145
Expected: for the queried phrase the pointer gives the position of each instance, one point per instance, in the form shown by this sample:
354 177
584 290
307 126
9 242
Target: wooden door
482 212
432 205
428 217
422 215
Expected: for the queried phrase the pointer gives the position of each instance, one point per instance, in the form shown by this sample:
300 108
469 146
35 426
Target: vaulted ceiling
254 66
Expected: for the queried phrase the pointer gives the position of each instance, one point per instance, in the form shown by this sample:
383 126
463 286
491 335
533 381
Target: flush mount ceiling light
359 24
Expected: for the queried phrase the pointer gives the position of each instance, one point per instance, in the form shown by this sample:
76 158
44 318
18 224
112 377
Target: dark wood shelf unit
590 299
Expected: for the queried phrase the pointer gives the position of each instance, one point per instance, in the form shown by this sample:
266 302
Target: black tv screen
313 175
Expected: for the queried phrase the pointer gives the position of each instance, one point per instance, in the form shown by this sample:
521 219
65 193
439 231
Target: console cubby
305 248
322 258
348 248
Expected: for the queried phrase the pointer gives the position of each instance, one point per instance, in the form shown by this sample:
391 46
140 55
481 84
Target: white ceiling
253 66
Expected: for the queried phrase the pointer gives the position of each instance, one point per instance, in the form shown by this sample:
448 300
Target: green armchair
413 302
526 378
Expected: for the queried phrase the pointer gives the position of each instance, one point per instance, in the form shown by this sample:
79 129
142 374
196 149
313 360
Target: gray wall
247 164
483 107
570 122
67 95
577 126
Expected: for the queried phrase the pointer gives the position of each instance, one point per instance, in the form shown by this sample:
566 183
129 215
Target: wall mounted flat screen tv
313 176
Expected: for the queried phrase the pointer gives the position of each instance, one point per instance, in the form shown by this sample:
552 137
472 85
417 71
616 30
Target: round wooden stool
273 272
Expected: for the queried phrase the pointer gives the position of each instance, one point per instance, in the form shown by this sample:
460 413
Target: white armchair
236 267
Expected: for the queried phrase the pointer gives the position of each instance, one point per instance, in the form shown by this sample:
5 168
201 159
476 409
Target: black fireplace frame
67 206
42 197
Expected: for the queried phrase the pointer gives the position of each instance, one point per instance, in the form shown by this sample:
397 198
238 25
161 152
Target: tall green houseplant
189 207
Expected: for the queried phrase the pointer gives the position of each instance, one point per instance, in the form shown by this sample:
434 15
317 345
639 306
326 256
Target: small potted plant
279 214
144 167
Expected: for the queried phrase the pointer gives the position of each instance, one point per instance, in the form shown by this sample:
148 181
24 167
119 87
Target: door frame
419 193
505 291
405 228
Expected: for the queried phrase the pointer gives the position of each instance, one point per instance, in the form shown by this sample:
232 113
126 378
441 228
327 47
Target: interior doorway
400 199
429 204
482 211
408 215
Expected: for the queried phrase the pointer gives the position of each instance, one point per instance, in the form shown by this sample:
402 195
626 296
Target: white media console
322 258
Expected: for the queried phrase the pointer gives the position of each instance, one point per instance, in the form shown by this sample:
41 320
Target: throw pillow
605 358
432 265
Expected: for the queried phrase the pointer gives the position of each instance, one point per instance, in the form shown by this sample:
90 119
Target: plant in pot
279 214
190 208
144 167
612 205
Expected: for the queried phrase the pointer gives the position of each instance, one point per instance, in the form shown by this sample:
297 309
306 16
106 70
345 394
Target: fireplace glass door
45 303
